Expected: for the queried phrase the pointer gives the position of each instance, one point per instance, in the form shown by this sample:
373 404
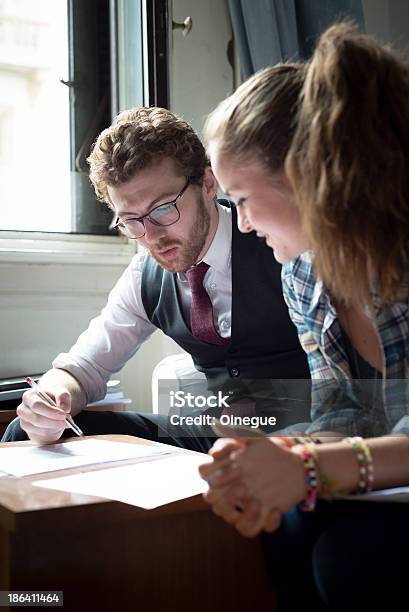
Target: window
34 116
66 68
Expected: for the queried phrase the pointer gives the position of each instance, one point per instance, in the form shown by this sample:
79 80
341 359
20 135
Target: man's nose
242 221
152 231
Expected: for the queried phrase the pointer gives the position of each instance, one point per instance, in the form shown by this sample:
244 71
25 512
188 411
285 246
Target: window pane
34 116
130 68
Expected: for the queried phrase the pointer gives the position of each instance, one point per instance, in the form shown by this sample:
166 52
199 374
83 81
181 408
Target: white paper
146 485
25 460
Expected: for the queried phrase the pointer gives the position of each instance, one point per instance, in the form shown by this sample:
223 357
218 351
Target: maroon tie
201 313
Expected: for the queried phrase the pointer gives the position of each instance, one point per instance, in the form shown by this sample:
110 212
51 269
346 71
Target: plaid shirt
337 405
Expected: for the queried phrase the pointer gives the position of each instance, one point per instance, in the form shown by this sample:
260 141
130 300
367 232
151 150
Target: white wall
201 75
49 294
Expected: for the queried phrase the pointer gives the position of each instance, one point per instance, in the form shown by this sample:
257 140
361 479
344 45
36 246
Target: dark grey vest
264 342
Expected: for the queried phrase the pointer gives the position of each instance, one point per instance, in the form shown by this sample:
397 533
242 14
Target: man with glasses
151 169
162 215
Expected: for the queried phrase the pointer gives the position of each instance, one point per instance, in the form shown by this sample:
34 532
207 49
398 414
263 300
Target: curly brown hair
138 138
349 164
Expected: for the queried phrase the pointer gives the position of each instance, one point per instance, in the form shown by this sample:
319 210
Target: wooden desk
109 556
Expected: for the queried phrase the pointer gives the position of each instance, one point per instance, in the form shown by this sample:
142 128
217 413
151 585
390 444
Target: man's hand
42 422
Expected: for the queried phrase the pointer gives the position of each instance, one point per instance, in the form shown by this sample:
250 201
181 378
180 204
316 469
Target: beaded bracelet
309 458
365 463
299 439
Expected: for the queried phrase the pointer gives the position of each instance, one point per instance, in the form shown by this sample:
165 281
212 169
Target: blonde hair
257 121
138 138
349 164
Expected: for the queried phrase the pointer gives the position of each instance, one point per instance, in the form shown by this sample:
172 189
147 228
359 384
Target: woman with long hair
316 157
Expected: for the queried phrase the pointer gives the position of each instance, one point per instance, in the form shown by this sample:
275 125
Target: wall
201 75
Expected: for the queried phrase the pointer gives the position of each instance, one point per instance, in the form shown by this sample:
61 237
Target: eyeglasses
163 215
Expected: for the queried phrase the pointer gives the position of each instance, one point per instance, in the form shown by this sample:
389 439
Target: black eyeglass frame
141 220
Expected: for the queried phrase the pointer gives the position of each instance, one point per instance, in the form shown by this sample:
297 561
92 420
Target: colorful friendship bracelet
311 471
297 438
309 458
365 463
290 442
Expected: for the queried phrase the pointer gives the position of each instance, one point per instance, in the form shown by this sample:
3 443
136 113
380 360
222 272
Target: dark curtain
265 32
271 31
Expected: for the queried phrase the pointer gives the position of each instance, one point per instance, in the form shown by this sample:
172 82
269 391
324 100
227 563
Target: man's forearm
61 378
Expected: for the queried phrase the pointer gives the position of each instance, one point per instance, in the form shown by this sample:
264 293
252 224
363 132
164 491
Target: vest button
234 372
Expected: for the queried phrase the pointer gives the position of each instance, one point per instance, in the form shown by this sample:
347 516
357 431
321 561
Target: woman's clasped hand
250 498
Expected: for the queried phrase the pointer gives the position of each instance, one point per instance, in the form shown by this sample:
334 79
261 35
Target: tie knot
196 274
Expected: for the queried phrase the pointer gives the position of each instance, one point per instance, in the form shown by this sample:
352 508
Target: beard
190 248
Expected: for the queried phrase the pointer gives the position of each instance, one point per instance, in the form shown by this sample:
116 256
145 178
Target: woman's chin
277 251
281 256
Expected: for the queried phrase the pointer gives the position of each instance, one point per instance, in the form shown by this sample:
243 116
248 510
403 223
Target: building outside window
66 67
34 116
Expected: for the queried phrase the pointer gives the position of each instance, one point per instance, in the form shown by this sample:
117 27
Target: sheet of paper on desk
146 485
26 460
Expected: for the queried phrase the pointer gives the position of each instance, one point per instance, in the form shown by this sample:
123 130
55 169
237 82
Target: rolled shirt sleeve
112 337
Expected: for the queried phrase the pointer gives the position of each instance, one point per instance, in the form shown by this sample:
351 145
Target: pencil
50 401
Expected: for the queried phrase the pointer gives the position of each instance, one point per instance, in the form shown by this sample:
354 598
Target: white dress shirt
116 334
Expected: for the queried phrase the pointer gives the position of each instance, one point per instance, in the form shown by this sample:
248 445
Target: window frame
89 81
48 247
58 248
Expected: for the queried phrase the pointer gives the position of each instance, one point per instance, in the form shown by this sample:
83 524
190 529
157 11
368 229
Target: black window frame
90 107
157 33
94 98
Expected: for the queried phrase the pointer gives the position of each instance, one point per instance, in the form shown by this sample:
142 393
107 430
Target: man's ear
210 185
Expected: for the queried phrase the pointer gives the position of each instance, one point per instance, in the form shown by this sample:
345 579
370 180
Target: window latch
72 84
